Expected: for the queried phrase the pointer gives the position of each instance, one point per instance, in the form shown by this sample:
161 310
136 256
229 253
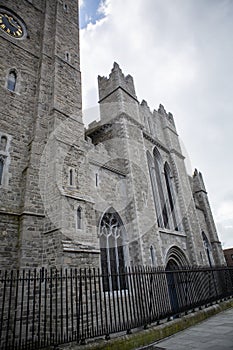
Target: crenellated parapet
167 115
117 95
115 81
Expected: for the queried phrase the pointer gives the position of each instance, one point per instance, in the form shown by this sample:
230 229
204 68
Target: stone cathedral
115 194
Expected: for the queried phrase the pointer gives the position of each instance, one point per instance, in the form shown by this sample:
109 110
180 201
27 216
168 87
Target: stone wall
57 180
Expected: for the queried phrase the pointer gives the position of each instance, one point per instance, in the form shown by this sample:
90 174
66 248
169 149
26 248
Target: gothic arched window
157 183
155 192
71 177
112 248
96 180
67 57
3 143
11 80
152 255
79 218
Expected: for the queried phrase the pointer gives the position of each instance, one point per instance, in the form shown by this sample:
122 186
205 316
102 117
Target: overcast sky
180 54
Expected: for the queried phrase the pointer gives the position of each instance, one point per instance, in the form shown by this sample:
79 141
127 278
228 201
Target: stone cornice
199 191
29 213
102 127
107 167
78 197
171 129
52 231
99 128
177 153
215 242
5 212
155 142
174 233
119 87
75 247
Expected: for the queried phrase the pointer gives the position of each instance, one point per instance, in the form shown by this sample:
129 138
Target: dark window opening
11 81
1 170
79 218
65 7
152 255
71 177
3 143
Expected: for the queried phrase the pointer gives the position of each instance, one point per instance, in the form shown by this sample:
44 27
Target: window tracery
112 247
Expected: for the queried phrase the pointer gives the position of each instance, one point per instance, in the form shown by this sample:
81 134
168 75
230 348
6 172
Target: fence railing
42 308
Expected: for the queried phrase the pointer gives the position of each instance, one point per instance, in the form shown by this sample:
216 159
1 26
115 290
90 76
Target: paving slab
216 333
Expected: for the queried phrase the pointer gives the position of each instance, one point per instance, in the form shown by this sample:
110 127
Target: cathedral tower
40 86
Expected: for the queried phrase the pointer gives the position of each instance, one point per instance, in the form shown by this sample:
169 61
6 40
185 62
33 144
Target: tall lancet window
11 80
112 247
159 181
171 198
79 218
155 191
157 184
4 154
1 169
3 143
71 177
152 255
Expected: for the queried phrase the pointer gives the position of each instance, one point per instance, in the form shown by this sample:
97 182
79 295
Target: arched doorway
113 251
175 260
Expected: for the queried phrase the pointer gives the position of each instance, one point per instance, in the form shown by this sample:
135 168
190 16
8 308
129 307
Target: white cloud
226 233
104 7
178 52
225 211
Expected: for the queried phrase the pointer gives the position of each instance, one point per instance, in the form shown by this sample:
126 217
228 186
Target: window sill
171 232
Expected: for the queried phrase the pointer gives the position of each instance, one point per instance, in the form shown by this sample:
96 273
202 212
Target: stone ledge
154 333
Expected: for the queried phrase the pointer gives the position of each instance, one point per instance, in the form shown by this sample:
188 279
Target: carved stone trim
155 142
177 153
110 168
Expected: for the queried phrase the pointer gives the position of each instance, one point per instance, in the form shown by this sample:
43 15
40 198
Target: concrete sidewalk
216 333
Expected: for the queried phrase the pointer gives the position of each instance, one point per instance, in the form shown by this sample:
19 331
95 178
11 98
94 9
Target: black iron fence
42 308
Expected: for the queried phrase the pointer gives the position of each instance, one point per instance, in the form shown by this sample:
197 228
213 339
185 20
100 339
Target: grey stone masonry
59 182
